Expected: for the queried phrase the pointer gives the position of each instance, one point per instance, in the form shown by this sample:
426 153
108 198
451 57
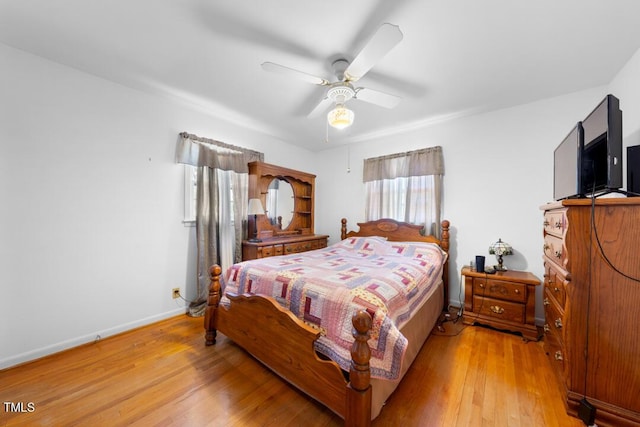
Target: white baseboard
74 342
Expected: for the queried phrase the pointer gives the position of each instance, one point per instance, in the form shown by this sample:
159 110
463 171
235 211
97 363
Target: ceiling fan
347 73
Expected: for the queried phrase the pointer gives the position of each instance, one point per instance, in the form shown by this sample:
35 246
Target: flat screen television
602 154
633 169
567 165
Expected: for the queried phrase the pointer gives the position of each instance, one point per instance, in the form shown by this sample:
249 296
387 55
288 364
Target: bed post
444 244
358 411
343 229
212 305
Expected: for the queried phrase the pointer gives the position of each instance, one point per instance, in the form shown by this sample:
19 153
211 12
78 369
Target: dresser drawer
294 248
553 336
555 283
555 222
553 315
499 309
554 348
266 251
509 291
555 250
318 244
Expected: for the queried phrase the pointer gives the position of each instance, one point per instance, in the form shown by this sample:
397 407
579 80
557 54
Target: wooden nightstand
504 300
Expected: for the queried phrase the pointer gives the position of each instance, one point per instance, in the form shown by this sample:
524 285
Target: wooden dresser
504 300
287 196
592 325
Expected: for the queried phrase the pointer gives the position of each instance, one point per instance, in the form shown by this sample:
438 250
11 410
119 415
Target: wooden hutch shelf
287 196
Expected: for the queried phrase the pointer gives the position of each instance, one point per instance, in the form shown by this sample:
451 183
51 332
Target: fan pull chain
326 138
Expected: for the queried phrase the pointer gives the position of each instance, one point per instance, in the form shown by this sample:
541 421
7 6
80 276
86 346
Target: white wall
91 233
499 171
626 86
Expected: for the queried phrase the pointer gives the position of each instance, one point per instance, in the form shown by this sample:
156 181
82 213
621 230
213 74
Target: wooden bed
285 344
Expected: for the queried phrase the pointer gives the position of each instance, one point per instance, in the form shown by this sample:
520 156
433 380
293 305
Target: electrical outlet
175 293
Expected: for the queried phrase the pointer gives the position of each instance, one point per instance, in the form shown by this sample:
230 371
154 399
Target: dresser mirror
287 198
279 203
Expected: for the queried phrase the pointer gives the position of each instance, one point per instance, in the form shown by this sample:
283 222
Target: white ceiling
457 56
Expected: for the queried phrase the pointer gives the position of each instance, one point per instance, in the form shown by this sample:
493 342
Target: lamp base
500 268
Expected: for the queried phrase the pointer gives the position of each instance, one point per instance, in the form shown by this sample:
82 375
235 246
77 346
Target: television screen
633 169
567 173
602 156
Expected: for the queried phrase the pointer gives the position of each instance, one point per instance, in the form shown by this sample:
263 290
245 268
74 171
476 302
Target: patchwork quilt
325 287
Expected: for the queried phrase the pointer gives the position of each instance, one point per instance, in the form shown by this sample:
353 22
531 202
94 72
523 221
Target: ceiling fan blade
321 107
381 43
276 68
378 98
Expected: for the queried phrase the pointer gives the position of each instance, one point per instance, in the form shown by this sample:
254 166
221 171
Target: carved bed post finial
212 304
343 229
444 244
444 237
359 388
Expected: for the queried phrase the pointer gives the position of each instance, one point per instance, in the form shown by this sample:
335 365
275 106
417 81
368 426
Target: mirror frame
285 210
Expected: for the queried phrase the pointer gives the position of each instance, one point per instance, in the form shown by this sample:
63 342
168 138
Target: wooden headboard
397 231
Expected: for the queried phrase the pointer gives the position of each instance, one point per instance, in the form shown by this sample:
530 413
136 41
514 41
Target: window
191 194
405 187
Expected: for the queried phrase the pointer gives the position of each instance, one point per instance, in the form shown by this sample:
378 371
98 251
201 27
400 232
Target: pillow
370 245
416 250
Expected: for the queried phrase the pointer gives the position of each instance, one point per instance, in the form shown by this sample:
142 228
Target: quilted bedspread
325 287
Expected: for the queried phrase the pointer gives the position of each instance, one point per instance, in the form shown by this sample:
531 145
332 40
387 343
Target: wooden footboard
285 344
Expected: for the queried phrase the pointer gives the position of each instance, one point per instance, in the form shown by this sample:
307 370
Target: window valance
197 151
423 162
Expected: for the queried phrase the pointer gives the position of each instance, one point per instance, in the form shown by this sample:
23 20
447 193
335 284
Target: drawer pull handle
545 247
546 302
556 289
546 328
558 254
558 323
481 285
517 291
546 222
558 355
497 309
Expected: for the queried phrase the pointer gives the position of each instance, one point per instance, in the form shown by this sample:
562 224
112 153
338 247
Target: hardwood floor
163 375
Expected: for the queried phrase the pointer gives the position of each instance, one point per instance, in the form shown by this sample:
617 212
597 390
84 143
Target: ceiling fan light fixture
340 117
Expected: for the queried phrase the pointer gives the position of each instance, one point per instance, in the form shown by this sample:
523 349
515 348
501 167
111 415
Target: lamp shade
340 117
255 207
500 248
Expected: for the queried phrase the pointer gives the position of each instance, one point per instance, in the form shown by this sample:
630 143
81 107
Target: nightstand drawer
499 309
509 291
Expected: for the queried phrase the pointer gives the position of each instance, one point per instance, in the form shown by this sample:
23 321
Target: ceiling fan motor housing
341 92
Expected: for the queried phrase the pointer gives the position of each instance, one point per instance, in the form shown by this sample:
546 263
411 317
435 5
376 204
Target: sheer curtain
406 187
221 203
